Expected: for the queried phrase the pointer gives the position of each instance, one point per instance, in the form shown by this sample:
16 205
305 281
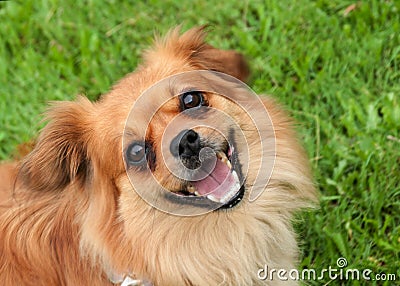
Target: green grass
339 75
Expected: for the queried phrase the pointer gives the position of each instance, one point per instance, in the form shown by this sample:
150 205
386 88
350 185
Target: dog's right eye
191 99
136 154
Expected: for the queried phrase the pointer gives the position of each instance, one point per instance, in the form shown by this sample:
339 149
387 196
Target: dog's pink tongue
218 182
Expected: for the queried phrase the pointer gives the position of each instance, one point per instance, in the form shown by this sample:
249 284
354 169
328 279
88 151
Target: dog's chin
222 186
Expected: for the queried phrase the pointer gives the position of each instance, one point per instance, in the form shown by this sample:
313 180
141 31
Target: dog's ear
191 46
229 62
60 155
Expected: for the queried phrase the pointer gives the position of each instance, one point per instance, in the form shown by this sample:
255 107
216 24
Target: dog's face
184 142
176 139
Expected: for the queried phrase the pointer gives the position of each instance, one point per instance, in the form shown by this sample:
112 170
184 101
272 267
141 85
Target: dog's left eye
136 154
191 99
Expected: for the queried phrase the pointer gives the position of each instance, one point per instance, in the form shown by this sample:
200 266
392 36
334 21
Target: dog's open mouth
222 185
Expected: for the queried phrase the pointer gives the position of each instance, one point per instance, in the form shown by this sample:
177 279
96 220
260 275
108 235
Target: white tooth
228 196
224 159
225 198
191 189
212 198
235 176
196 193
233 191
229 164
232 194
222 156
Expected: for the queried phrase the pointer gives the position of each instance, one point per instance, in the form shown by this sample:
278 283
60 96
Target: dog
71 214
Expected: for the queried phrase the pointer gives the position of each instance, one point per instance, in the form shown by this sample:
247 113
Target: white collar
127 280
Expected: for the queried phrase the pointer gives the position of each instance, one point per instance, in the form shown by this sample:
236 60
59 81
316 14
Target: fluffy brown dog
71 216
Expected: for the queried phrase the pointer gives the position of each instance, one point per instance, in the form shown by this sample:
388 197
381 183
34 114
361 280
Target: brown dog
70 215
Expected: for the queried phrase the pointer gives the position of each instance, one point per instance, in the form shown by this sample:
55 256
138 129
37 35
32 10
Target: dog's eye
191 99
136 154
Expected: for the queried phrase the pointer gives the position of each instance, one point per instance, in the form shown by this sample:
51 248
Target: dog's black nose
186 144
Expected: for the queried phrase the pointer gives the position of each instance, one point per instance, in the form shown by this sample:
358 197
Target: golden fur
69 216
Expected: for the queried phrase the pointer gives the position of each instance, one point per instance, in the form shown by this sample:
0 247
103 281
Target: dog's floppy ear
229 62
60 155
191 46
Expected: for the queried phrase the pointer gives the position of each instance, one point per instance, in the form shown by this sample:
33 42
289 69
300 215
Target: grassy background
335 68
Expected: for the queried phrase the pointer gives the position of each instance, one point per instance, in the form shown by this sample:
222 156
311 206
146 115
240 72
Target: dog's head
83 140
